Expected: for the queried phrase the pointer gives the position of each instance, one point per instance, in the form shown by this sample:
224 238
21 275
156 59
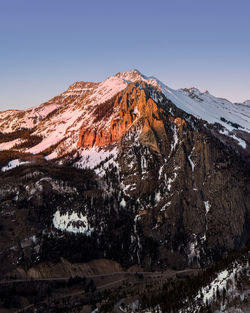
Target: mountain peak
132 75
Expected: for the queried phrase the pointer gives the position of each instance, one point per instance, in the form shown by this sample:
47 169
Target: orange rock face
103 137
123 118
180 122
129 106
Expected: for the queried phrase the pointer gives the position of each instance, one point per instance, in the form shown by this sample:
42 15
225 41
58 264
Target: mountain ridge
80 96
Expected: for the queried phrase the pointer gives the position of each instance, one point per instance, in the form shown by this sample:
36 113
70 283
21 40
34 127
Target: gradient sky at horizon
46 45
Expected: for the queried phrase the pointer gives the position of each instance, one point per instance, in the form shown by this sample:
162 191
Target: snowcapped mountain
59 121
129 170
133 174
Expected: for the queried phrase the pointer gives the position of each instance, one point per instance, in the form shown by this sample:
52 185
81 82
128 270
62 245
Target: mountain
127 170
58 121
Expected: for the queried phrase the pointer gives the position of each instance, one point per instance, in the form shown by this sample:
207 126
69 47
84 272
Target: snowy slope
66 123
205 106
14 119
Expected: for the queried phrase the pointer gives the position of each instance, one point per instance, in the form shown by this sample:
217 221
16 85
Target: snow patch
190 160
207 206
193 248
160 171
240 141
175 137
72 222
165 206
123 203
13 164
10 144
158 197
91 158
170 181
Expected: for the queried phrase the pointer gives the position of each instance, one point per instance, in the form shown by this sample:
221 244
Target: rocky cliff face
128 108
181 177
162 188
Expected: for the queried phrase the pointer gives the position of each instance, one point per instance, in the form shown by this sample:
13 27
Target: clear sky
46 45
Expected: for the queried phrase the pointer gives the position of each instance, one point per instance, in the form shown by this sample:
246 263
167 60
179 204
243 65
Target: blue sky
46 45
